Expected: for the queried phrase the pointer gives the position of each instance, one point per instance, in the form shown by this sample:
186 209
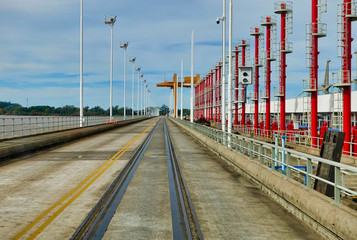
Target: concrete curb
313 208
18 146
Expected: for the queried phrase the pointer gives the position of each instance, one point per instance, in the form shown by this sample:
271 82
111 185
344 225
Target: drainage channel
97 221
184 220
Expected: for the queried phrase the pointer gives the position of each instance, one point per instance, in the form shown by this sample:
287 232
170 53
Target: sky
39 46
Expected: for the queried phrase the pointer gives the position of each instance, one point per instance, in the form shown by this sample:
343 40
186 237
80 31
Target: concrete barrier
22 145
311 207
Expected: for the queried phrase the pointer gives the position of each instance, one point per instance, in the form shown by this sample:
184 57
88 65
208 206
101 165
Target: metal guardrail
19 126
279 159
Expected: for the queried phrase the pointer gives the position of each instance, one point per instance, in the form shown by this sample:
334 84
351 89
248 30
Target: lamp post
124 45
138 93
110 20
132 60
142 94
181 88
223 105
230 72
192 59
81 69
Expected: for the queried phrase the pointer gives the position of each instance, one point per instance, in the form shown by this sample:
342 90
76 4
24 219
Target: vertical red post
314 71
283 11
256 35
346 73
211 95
268 25
244 45
215 93
236 86
219 91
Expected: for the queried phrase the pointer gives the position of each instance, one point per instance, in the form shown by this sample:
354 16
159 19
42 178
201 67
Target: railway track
184 221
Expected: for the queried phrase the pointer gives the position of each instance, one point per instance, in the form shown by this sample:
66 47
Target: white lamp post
110 20
81 69
230 72
132 59
124 45
182 80
192 59
138 93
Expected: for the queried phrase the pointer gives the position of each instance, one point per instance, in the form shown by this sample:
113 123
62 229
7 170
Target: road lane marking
105 165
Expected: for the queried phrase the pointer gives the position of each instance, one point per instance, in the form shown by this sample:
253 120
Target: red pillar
211 118
268 25
219 91
256 34
215 93
346 68
283 51
314 71
244 45
236 86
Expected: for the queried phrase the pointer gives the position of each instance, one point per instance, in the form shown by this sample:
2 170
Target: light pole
142 94
81 69
230 72
138 70
124 45
181 88
223 105
139 93
132 60
192 59
110 20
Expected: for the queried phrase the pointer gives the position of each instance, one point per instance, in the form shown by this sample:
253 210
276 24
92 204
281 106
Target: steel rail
184 220
95 224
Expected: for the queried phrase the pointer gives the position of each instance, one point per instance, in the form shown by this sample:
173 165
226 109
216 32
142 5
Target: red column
243 89
268 75
346 68
236 86
256 82
314 71
282 89
219 91
215 93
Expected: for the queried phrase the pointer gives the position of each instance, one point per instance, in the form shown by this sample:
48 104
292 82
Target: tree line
8 108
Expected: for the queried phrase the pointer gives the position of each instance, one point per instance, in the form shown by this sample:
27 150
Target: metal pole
346 74
111 75
314 71
192 59
224 72
124 83
230 73
283 68
81 69
182 80
132 92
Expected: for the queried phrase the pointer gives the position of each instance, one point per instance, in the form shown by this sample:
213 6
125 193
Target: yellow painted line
108 163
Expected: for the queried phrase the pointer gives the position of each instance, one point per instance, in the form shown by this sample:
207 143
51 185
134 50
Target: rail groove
97 221
184 220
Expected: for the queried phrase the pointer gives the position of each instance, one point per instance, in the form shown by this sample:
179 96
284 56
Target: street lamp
230 72
132 59
124 45
223 104
138 69
81 69
141 76
110 20
142 94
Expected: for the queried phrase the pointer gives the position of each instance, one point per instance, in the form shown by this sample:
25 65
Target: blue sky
39 46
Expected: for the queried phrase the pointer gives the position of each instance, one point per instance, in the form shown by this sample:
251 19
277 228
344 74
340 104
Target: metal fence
293 164
296 136
19 126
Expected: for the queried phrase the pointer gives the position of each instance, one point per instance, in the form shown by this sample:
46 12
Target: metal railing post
308 173
337 183
251 150
288 170
260 154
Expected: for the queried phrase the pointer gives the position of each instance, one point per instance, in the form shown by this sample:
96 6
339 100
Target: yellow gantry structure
175 85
